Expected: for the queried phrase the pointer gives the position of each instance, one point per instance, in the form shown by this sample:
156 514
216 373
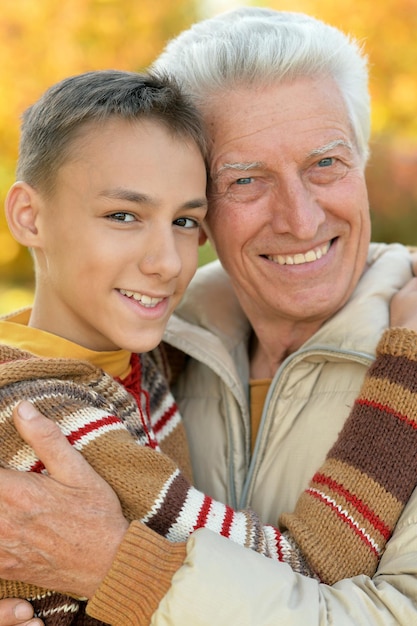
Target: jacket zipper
290 362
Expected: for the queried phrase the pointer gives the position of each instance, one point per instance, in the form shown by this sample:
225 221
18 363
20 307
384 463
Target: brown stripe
171 507
381 446
387 394
396 369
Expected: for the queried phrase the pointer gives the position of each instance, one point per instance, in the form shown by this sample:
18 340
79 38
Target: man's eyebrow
121 193
241 167
330 146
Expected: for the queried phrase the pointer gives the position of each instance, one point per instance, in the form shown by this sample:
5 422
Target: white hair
258 46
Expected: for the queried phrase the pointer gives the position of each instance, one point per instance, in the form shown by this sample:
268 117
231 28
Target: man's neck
271 343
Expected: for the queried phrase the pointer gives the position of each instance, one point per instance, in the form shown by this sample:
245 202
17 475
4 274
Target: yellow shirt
258 390
14 331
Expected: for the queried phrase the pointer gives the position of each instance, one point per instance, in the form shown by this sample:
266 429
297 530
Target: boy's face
118 240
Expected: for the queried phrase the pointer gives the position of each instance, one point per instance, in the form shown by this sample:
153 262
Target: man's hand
60 531
17 613
403 307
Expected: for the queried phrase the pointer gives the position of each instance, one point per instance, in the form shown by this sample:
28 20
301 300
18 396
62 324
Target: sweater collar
15 332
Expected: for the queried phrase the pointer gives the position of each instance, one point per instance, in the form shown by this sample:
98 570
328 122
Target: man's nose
296 210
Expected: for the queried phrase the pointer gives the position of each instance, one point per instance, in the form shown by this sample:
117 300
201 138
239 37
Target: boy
111 200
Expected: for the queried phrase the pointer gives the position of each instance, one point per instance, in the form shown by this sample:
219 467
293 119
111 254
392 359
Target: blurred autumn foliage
41 41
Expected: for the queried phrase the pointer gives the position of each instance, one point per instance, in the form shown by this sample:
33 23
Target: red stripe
37 467
388 409
345 519
76 435
278 541
164 419
359 505
204 511
227 521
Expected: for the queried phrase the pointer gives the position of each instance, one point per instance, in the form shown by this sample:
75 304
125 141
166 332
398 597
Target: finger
410 286
61 460
14 612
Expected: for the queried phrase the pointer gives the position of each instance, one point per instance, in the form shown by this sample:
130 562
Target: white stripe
169 426
239 529
271 540
215 517
64 608
26 458
184 525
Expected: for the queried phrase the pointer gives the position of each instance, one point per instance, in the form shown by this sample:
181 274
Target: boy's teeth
142 298
298 259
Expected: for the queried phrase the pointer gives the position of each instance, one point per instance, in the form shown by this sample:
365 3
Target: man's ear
21 208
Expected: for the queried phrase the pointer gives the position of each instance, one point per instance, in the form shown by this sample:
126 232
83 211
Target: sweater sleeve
164 500
140 576
342 532
359 493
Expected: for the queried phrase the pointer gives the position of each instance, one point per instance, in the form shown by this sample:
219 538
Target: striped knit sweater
341 523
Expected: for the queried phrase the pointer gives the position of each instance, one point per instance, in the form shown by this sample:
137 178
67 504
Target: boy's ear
21 208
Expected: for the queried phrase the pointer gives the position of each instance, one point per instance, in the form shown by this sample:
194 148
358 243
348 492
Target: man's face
118 239
289 213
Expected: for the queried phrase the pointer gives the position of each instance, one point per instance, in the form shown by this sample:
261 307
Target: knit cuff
140 576
398 342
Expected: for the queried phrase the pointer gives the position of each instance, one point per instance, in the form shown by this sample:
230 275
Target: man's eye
122 217
186 222
244 181
327 162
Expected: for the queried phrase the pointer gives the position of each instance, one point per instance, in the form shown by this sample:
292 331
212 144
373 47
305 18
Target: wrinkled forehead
303 117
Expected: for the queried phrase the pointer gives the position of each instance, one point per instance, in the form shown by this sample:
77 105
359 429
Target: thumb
60 458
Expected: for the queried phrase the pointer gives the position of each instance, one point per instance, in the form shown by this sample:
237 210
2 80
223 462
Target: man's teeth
298 259
140 297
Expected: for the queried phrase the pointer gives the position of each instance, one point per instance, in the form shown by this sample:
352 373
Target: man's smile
299 258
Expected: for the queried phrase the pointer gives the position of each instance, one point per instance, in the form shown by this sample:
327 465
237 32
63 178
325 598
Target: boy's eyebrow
121 193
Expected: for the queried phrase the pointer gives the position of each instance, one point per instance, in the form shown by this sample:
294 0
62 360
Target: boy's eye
122 217
186 222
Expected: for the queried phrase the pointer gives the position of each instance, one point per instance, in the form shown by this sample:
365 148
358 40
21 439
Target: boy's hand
17 613
60 531
403 307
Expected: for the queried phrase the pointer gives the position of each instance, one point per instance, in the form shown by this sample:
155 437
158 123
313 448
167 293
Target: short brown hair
51 124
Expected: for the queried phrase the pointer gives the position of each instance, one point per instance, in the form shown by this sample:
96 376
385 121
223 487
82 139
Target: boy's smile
117 240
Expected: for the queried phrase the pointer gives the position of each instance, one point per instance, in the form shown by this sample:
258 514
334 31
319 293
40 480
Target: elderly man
290 321
300 299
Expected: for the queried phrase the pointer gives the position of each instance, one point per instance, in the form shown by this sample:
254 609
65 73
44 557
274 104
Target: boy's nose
161 256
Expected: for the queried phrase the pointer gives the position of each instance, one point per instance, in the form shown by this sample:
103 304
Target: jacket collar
210 318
